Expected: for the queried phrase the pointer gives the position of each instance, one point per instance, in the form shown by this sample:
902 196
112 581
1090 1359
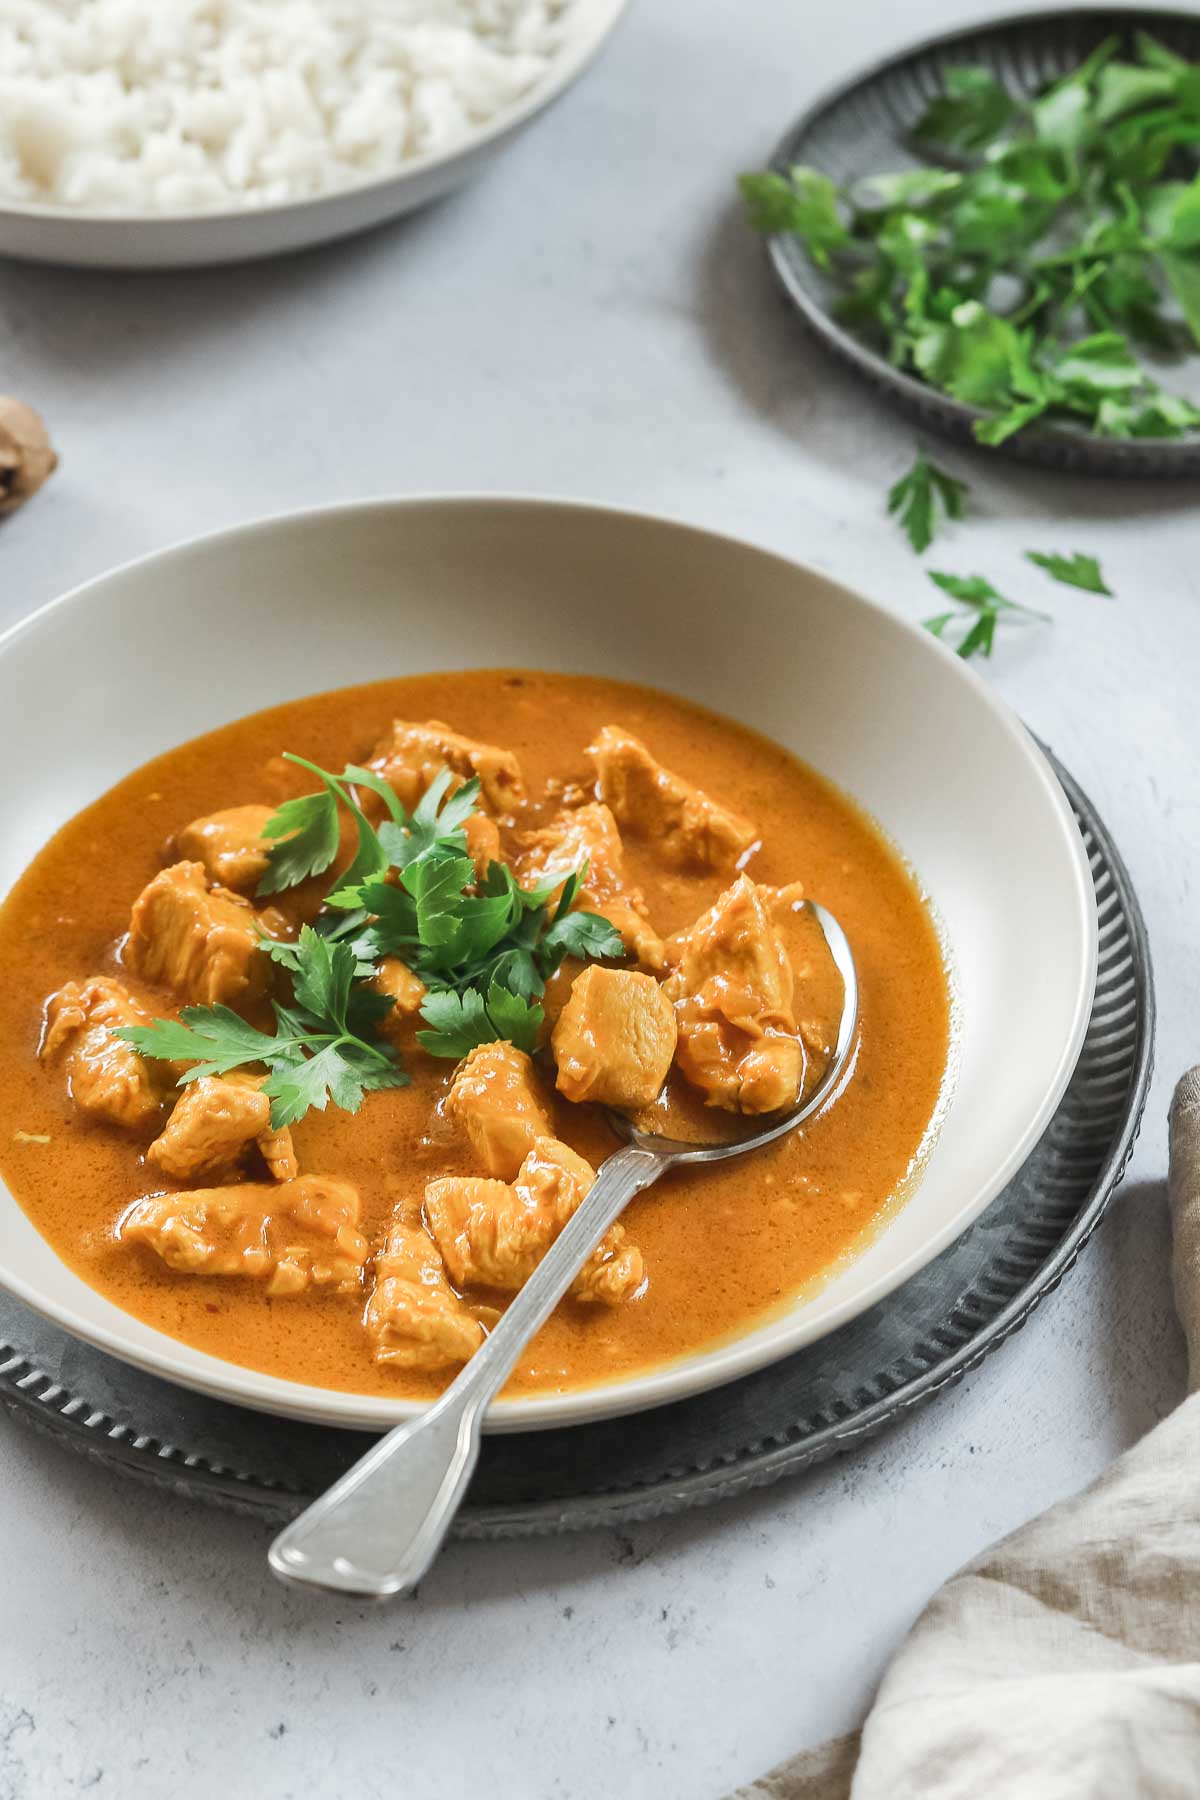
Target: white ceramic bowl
141 659
109 240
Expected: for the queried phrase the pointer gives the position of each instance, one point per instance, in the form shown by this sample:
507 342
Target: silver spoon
378 1529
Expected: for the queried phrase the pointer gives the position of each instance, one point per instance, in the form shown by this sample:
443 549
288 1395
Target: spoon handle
378 1529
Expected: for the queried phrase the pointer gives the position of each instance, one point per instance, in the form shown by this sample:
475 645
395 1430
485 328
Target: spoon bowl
377 1530
836 1072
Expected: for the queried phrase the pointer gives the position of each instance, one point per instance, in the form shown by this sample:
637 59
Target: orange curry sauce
722 1247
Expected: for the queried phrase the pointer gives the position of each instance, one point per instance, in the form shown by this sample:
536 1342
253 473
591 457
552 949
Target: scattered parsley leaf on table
916 495
1078 571
977 594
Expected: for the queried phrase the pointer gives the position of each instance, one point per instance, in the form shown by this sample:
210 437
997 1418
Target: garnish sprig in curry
483 947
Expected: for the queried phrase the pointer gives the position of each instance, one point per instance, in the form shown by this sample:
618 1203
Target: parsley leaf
306 834
214 1038
437 820
803 201
436 884
1008 423
580 934
977 356
460 933
969 112
1183 273
307 830
460 1021
915 496
1098 365
484 948
1075 571
343 1071
323 1047
513 1017
978 595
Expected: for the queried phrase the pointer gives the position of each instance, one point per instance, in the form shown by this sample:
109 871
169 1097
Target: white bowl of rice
169 133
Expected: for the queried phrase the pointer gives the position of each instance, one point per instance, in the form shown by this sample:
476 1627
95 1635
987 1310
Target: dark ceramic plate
832 1395
864 127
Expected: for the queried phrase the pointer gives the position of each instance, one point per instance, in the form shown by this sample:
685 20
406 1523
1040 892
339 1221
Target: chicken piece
106 1077
291 1234
495 1234
687 828
414 754
483 841
395 979
414 1318
589 834
494 1097
277 1151
230 845
214 1124
200 942
615 1038
558 990
731 985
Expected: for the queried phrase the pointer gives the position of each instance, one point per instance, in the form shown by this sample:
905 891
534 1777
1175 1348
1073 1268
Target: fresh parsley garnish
459 1021
917 495
484 948
324 1046
305 834
306 837
1078 571
1022 277
984 607
500 944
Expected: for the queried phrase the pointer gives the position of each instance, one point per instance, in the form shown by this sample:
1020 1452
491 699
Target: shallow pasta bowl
145 240
140 660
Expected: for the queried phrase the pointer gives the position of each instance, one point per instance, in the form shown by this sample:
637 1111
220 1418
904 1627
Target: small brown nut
27 457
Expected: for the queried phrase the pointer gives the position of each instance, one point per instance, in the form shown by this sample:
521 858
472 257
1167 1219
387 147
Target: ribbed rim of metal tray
778 1422
879 105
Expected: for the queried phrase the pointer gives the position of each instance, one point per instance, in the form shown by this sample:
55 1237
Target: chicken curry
311 1025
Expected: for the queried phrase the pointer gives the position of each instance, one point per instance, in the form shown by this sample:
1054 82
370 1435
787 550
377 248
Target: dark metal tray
864 126
896 1357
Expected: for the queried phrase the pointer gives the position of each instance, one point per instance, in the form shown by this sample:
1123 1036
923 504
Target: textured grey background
588 320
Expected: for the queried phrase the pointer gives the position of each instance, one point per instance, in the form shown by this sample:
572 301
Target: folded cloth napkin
1065 1661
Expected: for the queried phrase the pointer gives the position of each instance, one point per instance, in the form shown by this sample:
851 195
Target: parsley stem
334 783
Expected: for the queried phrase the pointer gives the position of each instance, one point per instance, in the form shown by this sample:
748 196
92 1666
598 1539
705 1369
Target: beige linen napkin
1065 1661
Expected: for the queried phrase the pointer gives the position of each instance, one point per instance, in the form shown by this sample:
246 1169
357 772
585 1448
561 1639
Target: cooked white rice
190 105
